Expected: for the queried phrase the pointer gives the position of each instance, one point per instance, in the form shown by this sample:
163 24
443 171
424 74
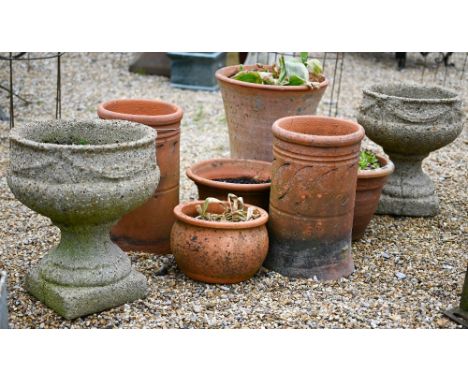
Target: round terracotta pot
313 189
368 189
251 109
218 252
203 173
148 227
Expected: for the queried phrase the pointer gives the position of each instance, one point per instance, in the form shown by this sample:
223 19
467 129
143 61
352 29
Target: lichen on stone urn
410 121
83 175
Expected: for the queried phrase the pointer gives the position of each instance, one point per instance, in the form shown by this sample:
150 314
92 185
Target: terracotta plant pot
251 109
148 227
368 190
313 188
218 252
204 173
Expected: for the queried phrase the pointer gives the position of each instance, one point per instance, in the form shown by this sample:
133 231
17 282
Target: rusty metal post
460 314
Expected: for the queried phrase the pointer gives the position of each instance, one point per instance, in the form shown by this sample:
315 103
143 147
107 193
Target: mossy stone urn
84 176
410 121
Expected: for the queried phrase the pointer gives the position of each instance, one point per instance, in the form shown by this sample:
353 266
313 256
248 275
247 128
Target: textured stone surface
83 176
410 121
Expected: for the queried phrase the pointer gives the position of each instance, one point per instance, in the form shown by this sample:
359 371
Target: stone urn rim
351 133
224 75
168 114
381 91
193 175
21 135
386 168
184 212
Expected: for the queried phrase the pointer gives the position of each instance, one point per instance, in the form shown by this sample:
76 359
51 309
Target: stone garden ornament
84 176
410 121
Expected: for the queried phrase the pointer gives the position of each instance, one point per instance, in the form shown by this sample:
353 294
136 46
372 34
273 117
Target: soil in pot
242 180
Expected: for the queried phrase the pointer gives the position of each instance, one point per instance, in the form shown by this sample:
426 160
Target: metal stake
460 314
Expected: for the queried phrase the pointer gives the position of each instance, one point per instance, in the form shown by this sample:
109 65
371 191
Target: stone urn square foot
417 207
71 302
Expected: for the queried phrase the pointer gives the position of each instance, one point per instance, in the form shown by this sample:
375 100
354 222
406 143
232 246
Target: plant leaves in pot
255 96
373 173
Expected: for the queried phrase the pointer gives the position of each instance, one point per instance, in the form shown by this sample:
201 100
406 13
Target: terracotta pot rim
224 75
191 173
180 215
318 140
376 91
153 120
17 135
387 168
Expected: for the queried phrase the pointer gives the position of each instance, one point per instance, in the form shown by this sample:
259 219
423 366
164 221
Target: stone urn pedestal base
86 273
409 191
72 302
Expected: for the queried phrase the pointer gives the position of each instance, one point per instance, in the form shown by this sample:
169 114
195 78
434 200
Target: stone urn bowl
410 121
84 176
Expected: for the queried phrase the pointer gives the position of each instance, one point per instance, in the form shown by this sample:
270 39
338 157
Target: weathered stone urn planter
3 301
410 121
220 252
84 176
252 108
313 188
368 190
246 178
148 227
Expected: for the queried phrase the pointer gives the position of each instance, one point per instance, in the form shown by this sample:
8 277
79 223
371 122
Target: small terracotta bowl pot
368 189
218 252
203 174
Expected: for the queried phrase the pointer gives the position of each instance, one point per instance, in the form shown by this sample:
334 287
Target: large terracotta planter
368 190
410 121
218 252
312 195
84 176
203 174
251 109
148 227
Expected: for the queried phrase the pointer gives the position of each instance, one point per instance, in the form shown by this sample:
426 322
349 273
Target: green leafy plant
234 210
291 71
368 160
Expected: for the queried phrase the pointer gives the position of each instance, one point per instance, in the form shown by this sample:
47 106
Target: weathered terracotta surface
368 190
251 109
148 227
218 252
313 189
203 173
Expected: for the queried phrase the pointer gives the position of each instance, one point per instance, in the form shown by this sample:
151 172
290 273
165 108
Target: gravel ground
407 269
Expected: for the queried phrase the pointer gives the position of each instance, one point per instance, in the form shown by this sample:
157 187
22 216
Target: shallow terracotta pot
204 173
313 189
251 109
148 227
368 190
218 252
